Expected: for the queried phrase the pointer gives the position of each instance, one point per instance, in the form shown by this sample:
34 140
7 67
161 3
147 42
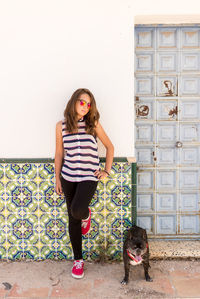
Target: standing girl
77 165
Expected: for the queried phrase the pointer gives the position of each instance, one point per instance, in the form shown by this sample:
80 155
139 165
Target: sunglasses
83 103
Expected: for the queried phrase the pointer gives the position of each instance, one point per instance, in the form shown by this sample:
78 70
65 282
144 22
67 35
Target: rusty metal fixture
143 110
179 144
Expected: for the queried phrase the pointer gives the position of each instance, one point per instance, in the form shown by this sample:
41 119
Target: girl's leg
78 197
82 198
75 234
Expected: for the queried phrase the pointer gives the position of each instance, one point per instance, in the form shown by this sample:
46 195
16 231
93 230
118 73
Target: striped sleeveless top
81 158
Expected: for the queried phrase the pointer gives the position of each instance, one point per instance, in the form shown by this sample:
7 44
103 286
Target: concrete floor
52 279
162 249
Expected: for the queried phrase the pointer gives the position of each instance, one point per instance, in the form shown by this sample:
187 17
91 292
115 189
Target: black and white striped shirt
81 158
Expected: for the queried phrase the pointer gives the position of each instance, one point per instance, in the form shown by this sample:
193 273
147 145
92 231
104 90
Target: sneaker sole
77 276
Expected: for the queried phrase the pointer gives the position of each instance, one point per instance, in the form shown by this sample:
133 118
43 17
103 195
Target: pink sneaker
77 269
85 225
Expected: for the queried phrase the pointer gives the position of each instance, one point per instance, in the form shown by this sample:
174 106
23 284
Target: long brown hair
70 114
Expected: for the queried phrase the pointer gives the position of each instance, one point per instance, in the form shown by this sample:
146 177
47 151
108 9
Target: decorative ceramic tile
34 220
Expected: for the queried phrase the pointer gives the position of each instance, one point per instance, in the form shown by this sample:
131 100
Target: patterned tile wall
33 218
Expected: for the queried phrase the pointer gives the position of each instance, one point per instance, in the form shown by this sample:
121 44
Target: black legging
78 196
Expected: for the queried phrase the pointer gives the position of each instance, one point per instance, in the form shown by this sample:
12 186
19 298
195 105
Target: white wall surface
49 48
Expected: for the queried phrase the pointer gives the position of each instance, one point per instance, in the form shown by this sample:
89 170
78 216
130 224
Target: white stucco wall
49 48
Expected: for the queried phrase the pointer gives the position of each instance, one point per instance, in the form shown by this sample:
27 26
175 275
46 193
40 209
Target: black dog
136 251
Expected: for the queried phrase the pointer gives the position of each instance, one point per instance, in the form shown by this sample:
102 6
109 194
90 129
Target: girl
77 165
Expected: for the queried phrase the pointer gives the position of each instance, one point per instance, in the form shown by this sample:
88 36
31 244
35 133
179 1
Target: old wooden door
167 137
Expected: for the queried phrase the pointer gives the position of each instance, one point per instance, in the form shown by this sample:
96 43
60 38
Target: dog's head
137 242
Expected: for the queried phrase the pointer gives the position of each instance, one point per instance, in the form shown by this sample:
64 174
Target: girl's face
83 105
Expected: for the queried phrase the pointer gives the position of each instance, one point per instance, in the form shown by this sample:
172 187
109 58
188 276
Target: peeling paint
143 110
168 85
173 112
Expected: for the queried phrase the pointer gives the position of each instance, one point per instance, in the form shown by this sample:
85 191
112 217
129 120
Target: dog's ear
125 234
130 234
144 234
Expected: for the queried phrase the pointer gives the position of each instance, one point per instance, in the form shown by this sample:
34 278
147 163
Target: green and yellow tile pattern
34 221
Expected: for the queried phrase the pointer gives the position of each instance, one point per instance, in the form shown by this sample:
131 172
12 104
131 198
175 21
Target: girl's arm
59 154
109 151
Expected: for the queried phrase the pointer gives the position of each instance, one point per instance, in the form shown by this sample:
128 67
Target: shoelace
78 264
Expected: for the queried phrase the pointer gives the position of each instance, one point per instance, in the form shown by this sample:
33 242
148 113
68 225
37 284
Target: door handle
179 144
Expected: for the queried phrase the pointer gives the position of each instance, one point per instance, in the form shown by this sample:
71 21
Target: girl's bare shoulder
59 126
59 123
97 124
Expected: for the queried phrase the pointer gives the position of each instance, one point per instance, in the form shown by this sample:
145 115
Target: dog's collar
132 256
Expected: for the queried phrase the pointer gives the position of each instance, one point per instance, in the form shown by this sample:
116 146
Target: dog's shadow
136 273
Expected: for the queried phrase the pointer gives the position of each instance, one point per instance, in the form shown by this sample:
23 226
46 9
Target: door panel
189 202
144 133
144 38
190 61
166 132
189 224
166 224
189 179
166 111
144 155
166 202
147 222
167 62
144 62
189 132
189 85
166 86
166 180
166 155
189 109
190 37
167 38
145 202
145 180
145 108
190 156
144 85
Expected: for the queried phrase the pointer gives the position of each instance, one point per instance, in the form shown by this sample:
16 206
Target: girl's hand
101 174
58 187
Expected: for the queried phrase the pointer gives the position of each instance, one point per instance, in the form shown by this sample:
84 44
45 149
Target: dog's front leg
146 273
126 268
